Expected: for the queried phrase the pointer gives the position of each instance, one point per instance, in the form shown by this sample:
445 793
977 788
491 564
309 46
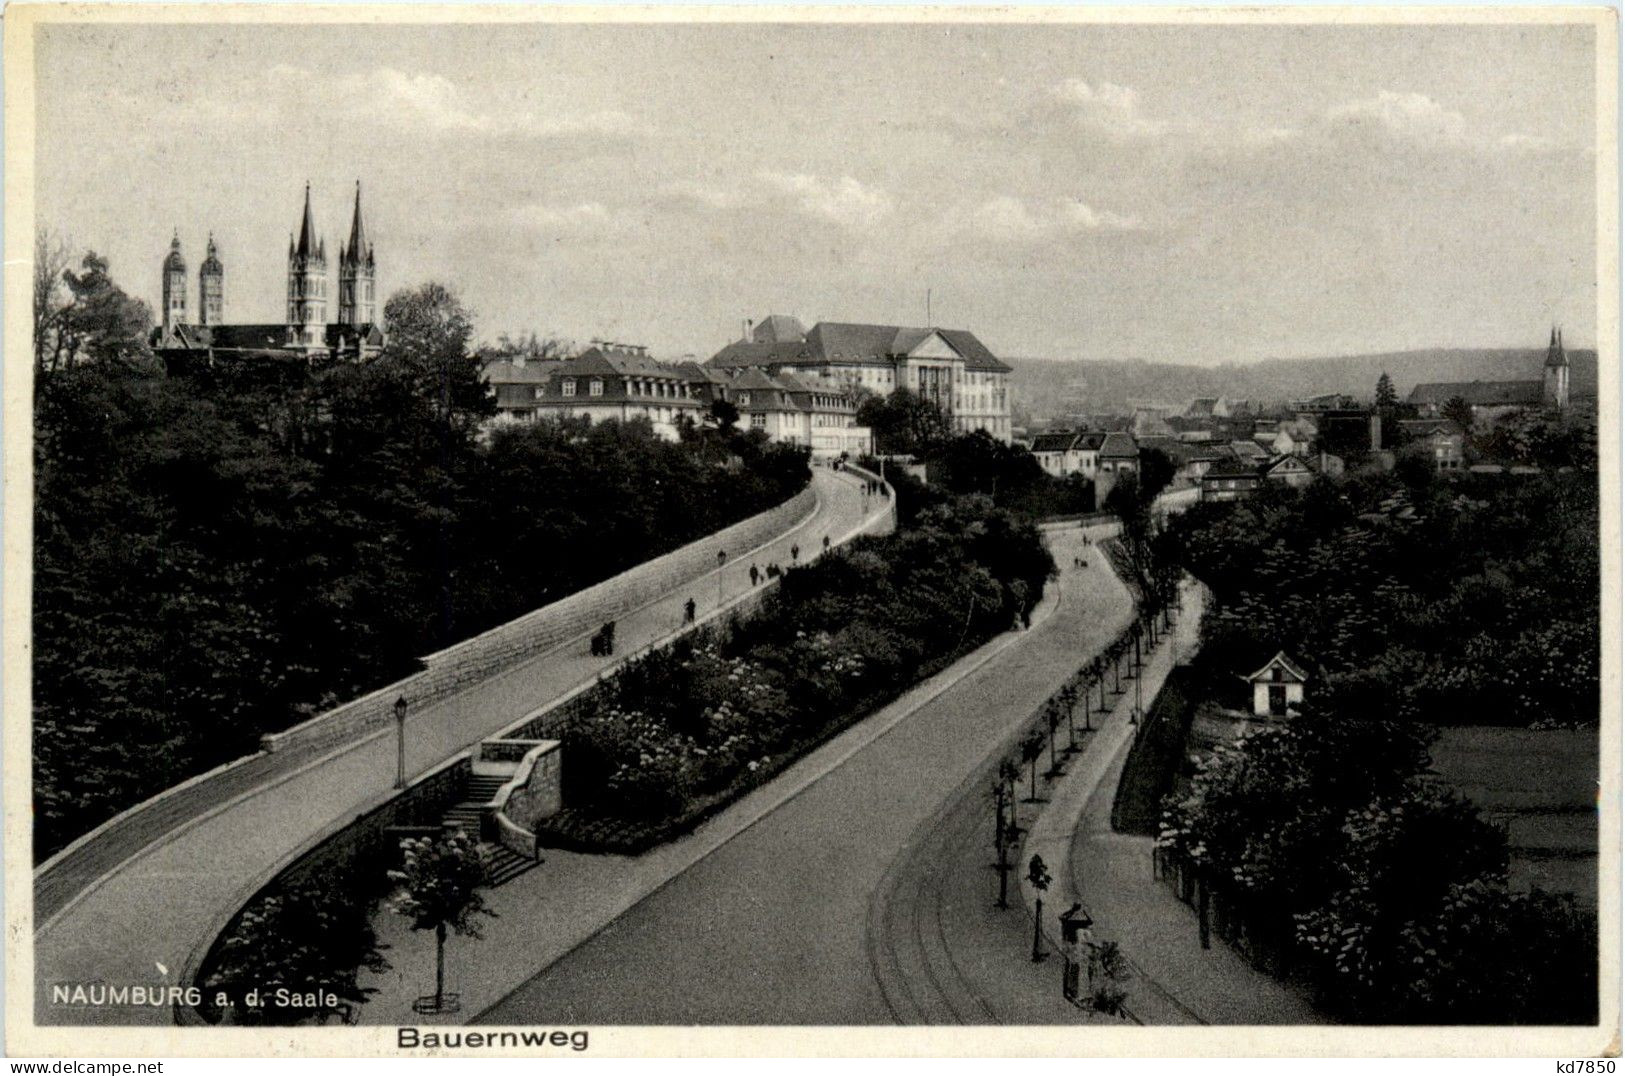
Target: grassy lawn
1542 786
1155 760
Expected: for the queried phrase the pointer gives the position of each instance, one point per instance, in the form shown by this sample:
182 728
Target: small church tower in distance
211 288
307 286
358 304
1555 387
174 285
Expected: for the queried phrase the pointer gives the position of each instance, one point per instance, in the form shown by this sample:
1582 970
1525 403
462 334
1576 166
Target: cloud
1009 218
582 219
844 200
433 104
1107 109
1418 121
1414 117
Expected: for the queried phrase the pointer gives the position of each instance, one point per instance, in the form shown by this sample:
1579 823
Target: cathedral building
183 341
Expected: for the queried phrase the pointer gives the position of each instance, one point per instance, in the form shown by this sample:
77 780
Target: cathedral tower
211 280
307 286
1555 379
174 284
357 302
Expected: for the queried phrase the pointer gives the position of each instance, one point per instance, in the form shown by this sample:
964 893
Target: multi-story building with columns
306 331
950 367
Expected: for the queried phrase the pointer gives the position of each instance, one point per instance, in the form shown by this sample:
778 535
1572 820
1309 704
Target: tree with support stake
1052 723
1069 698
439 890
1038 876
1031 749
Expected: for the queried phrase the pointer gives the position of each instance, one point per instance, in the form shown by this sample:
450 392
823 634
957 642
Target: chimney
746 338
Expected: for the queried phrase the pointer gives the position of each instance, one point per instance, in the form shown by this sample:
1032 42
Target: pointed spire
359 246
307 228
1553 341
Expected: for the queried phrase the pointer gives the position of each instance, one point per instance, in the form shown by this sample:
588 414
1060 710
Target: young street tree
439 891
1032 748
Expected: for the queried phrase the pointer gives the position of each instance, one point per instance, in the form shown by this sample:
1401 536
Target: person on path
755 576
688 611
826 543
795 553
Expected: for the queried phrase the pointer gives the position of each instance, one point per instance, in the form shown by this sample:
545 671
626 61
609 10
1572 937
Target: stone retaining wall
506 645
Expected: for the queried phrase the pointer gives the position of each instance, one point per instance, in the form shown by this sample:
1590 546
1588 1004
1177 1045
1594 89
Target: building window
758 421
742 399
595 387
568 386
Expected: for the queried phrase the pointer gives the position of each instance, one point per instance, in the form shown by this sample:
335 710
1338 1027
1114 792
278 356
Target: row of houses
795 385
623 383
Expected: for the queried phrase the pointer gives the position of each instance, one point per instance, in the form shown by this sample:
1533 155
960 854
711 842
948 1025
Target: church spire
307 229
359 249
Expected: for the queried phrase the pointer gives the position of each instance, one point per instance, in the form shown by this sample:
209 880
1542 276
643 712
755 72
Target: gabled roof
614 360
778 328
1420 427
739 353
505 372
1119 446
1285 664
1054 442
1480 393
1284 463
1231 468
1248 451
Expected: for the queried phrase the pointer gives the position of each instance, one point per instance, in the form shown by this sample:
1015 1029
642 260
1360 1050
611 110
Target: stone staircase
506 864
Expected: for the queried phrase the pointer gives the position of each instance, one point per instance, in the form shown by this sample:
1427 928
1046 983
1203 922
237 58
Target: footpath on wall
152 905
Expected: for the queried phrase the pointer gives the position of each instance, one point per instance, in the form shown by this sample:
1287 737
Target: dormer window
744 399
568 386
595 387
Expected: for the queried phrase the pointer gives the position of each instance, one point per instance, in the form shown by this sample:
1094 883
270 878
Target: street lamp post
722 560
400 742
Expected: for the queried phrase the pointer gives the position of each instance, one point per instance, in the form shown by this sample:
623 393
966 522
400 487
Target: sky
1196 194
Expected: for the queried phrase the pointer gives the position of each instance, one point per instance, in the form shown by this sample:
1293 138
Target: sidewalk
1175 981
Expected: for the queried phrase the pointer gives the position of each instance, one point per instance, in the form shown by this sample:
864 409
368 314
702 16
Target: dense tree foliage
1416 604
1468 600
226 552
904 423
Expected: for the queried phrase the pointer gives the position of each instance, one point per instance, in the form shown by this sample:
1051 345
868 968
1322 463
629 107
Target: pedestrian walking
795 553
688 611
755 576
826 543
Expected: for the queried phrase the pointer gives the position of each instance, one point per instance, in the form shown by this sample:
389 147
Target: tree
526 347
1052 723
97 322
1386 398
1032 748
1459 411
51 261
1038 877
439 890
723 415
428 332
904 423
1157 469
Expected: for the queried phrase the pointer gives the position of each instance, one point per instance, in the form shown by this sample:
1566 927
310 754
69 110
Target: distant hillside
1045 387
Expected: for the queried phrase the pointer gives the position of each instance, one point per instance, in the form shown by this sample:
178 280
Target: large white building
951 367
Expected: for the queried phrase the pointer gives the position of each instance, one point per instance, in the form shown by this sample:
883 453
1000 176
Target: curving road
774 927
149 890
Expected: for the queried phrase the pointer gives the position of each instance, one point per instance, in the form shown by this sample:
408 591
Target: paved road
943 950
771 927
162 900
